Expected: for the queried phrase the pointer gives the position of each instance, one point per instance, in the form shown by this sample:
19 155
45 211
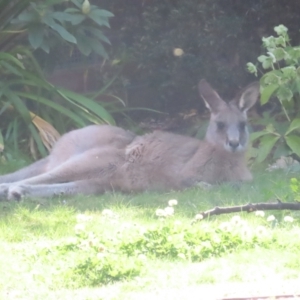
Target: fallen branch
250 207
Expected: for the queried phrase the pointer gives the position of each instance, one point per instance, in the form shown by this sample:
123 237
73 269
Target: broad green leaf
98 48
102 13
279 54
37 139
59 108
271 78
64 33
36 36
281 30
47 19
19 105
289 71
72 10
83 44
7 56
293 142
295 124
268 63
89 104
265 146
267 92
102 21
75 19
262 58
282 149
255 135
252 68
28 16
10 68
284 93
98 33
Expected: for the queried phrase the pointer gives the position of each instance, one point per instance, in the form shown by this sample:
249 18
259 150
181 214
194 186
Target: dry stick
250 207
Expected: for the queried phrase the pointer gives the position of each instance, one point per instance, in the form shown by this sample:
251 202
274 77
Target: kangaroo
100 158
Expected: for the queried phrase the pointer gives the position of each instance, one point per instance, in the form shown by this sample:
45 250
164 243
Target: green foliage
295 187
193 243
99 262
24 92
282 82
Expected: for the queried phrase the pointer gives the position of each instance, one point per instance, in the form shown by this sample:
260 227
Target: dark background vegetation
218 38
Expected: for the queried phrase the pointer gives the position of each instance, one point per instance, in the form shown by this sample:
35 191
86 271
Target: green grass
43 257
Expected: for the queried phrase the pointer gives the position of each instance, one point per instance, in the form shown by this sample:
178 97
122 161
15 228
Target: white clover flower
79 228
225 226
100 255
288 219
246 232
172 202
235 220
169 211
261 231
270 218
83 218
107 213
260 213
199 217
160 213
142 257
177 223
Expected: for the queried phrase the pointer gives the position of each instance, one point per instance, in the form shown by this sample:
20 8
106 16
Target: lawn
114 246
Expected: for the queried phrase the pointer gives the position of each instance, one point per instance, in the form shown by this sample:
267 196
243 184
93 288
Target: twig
251 207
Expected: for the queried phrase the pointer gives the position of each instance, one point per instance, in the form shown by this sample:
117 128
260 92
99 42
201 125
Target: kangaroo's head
228 122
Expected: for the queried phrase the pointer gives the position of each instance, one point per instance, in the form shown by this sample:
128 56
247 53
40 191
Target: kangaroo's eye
220 125
242 126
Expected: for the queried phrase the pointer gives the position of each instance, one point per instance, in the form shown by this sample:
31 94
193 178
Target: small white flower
172 202
271 218
79 228
169 211
288 219
199 217
83 218
225 226
246 232
160 212
177 223
235 220
142 257
107 213
260 213
261 231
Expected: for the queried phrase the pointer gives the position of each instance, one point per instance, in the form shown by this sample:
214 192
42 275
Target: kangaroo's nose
233 144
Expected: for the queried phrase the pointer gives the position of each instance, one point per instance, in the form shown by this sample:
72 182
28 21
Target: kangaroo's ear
211 98
247 97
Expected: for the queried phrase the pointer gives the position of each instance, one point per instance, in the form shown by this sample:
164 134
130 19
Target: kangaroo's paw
17 192
4 191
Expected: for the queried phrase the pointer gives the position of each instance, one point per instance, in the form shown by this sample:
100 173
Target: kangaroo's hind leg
96 164
83 187
32 170
92 164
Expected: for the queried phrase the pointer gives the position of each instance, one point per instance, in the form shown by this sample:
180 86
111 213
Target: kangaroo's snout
233 144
